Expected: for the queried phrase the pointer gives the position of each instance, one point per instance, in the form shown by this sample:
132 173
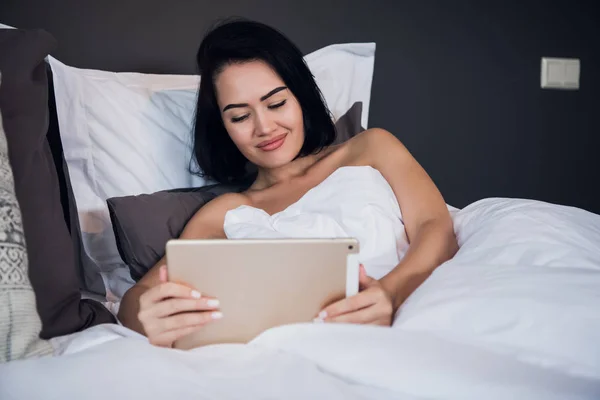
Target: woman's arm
428 226
206 223
427 222
432 245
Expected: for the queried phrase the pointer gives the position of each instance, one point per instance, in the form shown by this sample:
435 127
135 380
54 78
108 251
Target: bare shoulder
218 207
375 137
207 223
373 144
229 201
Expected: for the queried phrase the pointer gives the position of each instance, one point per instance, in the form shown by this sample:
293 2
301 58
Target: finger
166 339
166 290
177 305
162 273
364 280
188 319
362 316
349 304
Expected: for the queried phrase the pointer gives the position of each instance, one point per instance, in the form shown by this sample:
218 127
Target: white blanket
515 315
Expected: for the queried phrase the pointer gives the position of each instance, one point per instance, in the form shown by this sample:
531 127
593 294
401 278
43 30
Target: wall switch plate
560 73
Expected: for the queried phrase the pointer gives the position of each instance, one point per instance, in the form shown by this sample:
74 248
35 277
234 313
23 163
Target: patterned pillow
20 323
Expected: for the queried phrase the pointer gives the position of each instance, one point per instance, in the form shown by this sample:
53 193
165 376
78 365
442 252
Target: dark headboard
458 82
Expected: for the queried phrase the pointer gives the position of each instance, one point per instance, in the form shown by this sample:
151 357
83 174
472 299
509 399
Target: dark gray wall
457 81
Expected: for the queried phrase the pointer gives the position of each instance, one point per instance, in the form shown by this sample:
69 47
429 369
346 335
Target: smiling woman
260 114
258 79
259 105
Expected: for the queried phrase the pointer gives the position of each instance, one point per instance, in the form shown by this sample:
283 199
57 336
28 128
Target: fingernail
217 315
196 294
212 303
318 321
323 315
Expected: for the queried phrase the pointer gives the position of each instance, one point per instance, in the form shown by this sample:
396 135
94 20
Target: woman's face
262 116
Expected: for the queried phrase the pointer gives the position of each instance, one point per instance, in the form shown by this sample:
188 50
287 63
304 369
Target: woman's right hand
170 311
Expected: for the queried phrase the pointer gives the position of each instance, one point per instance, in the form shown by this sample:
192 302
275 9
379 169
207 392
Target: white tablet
262 283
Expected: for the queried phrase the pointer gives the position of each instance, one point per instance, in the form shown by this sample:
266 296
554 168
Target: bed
513 315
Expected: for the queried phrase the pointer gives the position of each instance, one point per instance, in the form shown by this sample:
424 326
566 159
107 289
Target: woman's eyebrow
272 92
263 98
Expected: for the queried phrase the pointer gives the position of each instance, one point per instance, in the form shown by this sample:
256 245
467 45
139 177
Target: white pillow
130 133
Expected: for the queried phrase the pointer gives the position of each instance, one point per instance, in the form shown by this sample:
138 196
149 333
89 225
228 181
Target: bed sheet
294 362
513 315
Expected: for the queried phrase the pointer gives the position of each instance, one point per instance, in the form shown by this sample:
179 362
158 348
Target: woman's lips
272 144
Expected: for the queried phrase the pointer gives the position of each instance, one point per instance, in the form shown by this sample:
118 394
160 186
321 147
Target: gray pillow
348 125
20 323
53 269
144 223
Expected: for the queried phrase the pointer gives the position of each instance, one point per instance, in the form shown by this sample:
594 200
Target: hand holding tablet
262 283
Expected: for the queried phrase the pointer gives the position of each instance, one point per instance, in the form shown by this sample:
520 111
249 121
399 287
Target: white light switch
560 73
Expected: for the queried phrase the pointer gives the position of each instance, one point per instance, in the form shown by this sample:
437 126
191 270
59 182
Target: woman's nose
264 124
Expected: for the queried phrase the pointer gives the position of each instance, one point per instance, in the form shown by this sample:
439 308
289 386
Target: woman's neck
268 177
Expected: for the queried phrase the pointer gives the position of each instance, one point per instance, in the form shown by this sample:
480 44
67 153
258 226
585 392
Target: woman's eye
277 105
239 119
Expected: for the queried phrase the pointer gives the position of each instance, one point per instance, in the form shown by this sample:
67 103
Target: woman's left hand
372 305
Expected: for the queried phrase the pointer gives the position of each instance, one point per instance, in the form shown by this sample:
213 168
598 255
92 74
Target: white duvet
514 315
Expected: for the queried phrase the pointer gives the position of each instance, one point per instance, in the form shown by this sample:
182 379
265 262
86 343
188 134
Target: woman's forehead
245 82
